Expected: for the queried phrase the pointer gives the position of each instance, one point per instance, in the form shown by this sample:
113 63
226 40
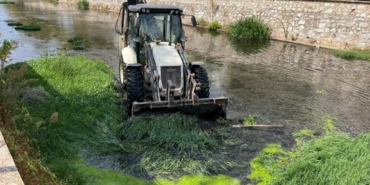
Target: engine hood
165 55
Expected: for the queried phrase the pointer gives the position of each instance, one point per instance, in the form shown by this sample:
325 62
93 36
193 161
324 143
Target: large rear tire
202 78
135 87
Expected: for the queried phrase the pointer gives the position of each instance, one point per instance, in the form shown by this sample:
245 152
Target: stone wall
334 25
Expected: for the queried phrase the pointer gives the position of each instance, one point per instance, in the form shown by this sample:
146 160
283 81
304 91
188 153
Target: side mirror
137 22
193 21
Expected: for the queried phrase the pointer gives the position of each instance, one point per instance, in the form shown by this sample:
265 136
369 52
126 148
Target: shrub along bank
250 28
334 158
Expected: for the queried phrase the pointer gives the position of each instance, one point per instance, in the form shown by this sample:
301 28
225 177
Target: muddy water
275 82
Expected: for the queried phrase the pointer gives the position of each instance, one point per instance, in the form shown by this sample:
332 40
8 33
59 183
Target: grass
355 54
202 22
250 28
83 5
249 121
169 144
76 114
214 25
77 43
12 115
27 159
29 27
82 93
15 24
333 158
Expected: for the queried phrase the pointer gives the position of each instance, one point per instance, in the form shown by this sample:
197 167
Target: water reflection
279 82
248 47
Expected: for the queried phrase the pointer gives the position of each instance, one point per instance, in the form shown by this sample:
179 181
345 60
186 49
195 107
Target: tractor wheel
202 78
121 69
135 87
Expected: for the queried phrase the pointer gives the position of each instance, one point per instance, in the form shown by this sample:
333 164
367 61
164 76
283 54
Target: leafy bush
214 25
250 28
353 54
83 5
33 96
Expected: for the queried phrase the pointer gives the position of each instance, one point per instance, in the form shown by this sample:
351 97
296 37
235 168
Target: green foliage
6 2
333 159
29 27
249 121
202 22
13 116
222 121
330 159
165 144
77 43
250 28
15 24
214 25
27 159
33 96
107 176
320 92
86 115
201 180
353 54
265 165
328 123
81 93
5 49
83 5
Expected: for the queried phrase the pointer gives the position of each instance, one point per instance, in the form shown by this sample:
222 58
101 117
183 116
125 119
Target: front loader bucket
204 106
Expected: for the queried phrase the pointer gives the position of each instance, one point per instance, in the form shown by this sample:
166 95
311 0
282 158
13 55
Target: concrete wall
9 174
336 25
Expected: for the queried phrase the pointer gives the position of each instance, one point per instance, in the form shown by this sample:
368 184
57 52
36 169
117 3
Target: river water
275 82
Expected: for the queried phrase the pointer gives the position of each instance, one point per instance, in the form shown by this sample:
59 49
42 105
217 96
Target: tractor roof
154 8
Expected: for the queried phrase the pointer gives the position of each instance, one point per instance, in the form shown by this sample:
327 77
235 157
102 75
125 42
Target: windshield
156 25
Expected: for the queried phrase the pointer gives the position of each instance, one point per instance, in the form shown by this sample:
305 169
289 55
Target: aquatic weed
251 28
83 5
214 25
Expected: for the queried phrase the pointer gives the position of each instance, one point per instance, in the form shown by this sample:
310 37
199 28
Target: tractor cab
148 23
